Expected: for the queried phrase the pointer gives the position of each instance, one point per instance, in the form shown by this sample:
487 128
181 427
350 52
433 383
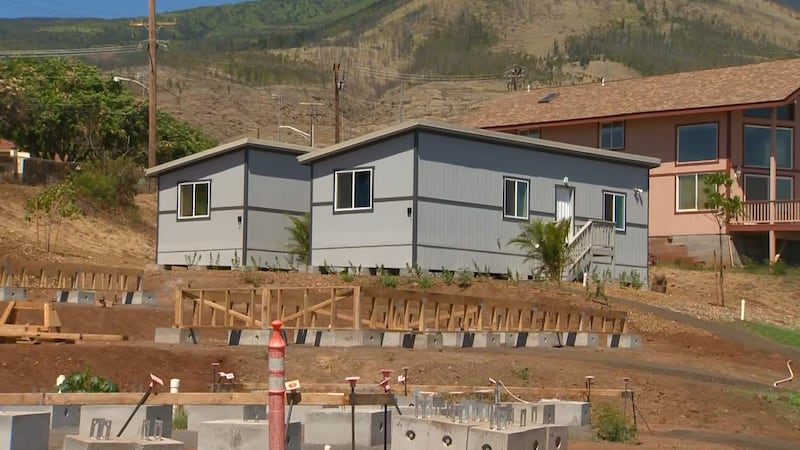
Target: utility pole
338 84
152 49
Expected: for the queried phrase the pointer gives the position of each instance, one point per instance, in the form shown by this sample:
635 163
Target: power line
54 53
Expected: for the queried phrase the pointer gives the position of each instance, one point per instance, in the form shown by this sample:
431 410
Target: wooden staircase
594 241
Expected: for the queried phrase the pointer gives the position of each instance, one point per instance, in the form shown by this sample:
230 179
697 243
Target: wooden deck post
357 308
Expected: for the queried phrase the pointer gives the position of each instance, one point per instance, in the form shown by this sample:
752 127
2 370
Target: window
614 209
756 188
531 132
193 200
757 144
515 204
690 195
612 135
353 190
697 142
785 112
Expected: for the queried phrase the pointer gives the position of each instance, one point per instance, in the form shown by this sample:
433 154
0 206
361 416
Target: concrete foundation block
524 414
393 339
580 339
24 430
197 414
324 338
419 340
61 416
453 339
557 438
481 437
542 339
513 339
573 414
243 435
624 341
545 413
443 433
119 414
139 298
75 296
85 443
487 340
177 336
326 426
353 338
13 294
411 433
249 337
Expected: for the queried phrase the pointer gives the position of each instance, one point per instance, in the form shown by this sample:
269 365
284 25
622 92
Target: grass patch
782 335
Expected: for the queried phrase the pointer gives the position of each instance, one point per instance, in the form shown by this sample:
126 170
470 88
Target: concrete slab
139 298
557 438
481 437
61 416
119 414
177 336
580 339
85 443
624 341
332 427
24 430
242 435
76 296
13 294
410 433
542 339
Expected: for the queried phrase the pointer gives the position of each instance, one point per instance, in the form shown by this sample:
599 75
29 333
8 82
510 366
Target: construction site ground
695 389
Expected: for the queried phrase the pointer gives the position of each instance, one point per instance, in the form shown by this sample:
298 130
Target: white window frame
516 200
614 212
532 133
678 143
612 146
353 172
744 146
697 190
756 175
194 185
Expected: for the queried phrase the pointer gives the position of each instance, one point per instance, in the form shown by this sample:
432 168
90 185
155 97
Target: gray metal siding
469 176
218 234
279 186
369 238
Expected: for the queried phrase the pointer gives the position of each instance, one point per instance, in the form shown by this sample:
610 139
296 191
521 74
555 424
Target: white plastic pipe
174 388
741 312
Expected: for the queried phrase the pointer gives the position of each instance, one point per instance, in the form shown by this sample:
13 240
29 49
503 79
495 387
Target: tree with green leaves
48 209
299 240
543 242
64 109
725 209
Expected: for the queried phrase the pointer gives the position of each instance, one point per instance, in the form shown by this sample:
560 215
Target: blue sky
106 9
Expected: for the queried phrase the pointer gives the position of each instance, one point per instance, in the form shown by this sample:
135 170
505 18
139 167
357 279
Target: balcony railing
786 211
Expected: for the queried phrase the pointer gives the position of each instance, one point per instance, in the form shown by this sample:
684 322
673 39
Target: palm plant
544 243
299 241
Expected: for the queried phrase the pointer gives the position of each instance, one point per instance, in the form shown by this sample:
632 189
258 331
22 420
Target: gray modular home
443 196
230 204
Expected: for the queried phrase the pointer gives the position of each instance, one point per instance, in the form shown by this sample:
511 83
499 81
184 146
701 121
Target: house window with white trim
194 200
689 192
353 190
612 135
614 209
756 188
757 146
515 203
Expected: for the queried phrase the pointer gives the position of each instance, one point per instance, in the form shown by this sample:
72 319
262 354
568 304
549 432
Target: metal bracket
100 429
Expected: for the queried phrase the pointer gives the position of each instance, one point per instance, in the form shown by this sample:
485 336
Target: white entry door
565 206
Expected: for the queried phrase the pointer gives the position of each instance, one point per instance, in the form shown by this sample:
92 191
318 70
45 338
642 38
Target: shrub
425 281
779 268
636 280
106 183
299 243
447 276
389 281
346 276
86 382
464 278
48 209
545 243
611 425
180 420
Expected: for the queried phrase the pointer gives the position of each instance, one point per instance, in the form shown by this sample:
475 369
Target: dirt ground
694 390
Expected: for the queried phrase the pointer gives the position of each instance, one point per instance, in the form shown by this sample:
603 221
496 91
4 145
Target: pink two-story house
737 119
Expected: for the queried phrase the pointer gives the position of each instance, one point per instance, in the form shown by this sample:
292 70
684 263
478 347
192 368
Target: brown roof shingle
766 82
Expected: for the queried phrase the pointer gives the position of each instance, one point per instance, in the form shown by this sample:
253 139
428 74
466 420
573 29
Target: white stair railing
592 233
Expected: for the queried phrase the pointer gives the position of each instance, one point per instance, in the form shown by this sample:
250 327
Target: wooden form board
50 321
356 308
28 274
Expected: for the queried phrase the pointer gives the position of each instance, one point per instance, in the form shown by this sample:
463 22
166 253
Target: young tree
725 209
299 242
543 242
49 208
